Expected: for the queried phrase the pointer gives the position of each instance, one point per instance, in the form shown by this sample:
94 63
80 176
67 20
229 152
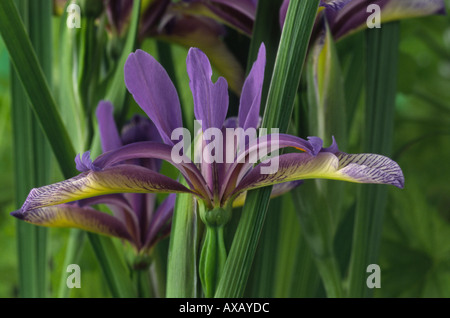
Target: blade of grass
280 101
116 89
381 80
182 268
26 64
266 30
112 264
32 153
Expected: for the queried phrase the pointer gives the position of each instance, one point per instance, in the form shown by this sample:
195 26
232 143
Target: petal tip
18 214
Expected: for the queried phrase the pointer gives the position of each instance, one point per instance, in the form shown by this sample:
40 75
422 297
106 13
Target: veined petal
155 150
354 15
263 145
251 92
370 168
117 179
362 168
210 99
154 92
69 215
109 135
120 208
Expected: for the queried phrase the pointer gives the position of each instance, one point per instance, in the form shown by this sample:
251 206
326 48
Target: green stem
331 278
280 101
382 55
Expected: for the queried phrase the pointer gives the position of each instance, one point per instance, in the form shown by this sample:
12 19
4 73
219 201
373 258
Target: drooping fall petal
68 215
116 179
360 168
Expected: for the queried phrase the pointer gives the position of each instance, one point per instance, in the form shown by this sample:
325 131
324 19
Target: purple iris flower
215 184
347 16
134 216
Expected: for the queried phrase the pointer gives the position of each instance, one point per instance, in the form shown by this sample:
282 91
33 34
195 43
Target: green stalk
381 79
29 71
280 101
183 249
25 62
32 154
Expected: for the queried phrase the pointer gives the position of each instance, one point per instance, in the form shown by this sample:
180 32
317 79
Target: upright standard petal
116 179
69 215
210 99
154 92
251 92
109 135
362 168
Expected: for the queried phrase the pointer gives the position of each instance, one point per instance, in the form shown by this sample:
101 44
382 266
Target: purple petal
67 215
239 14
251 92
121 210
263 145
142 129
371 168
150 149
161 217
84 163
117 179
210 99
360 168
154 92
354 15
109 135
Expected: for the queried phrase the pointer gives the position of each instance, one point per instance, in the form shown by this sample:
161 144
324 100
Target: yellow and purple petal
116 179
359 168
73 216
353 16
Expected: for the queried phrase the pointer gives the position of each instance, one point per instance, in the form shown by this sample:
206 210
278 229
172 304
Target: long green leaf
112 264
381 80
116 89
182 271
280 101
32 153
25 62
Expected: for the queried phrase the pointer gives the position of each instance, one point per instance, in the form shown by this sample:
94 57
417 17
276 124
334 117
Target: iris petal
117 179
361 168
210 99
109 135
154 92
251 93
67 215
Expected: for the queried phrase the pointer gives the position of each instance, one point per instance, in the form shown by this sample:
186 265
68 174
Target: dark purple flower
347 16
134 216
215 183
